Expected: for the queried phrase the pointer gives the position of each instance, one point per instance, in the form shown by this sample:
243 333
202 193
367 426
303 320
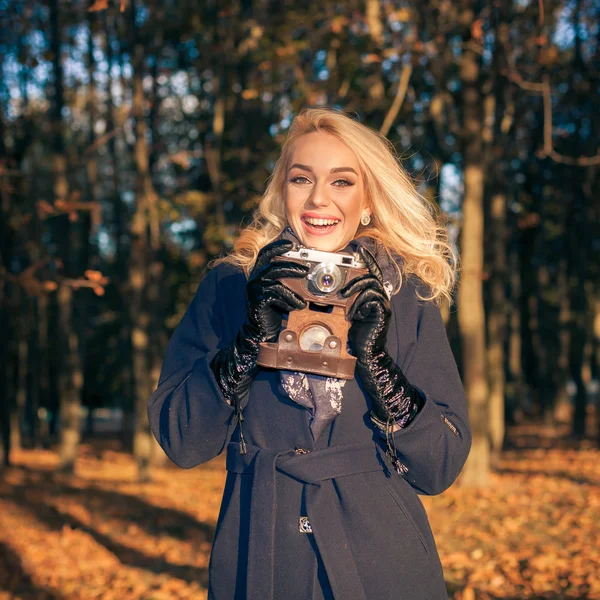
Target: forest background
135 141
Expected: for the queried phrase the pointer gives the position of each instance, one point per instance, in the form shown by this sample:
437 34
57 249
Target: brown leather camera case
333 360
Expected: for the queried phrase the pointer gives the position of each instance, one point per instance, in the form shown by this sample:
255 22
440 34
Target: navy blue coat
370 534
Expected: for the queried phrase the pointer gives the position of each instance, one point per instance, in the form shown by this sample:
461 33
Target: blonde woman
323 474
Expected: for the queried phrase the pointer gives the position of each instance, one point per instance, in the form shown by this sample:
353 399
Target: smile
318 226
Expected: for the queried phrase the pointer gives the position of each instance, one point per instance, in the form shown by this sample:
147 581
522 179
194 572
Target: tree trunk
471 320
5 330
562 408
5 383
471 314
139 266
121 269
497 323
22 364
516 389
376 88
71 384
493 136
43 439
373 18
579 241
547 327
70 376
596 364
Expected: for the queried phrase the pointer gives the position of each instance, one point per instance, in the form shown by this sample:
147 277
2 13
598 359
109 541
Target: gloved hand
395 403
267 299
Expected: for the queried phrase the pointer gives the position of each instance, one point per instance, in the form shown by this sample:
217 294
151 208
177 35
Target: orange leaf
98 5
49 286
477 30
93 275
468 593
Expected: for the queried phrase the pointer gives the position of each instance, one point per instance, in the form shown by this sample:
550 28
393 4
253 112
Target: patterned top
322 396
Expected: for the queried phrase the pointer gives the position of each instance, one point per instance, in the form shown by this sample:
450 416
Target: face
324 193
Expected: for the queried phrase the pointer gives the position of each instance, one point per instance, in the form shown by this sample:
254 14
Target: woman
321 498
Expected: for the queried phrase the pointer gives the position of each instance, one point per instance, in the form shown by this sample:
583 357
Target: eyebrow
335 170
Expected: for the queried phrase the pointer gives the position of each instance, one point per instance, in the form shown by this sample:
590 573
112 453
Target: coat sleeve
188 414
435 446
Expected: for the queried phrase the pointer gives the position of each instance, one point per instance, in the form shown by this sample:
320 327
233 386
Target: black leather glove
267 299
395 402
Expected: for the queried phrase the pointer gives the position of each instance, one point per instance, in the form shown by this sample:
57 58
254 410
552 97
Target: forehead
321 149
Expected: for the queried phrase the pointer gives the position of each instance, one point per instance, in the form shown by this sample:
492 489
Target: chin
327 245
333 242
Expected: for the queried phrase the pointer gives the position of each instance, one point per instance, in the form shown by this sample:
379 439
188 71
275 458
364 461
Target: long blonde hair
401 218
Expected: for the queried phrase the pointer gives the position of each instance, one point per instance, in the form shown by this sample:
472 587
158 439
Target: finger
270 251
360 283
368 295
371 263
279 270
282 306
370 310
281 293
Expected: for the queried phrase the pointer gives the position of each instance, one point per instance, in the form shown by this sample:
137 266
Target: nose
319 197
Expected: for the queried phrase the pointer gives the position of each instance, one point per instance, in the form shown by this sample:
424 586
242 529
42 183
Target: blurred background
136 139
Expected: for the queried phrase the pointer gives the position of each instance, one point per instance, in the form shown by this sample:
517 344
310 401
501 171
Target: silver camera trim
320 256
326 261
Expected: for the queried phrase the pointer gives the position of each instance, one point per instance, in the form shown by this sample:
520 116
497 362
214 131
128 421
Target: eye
338 182
297 178
344 182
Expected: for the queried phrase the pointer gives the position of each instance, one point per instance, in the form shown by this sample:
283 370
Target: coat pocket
407 516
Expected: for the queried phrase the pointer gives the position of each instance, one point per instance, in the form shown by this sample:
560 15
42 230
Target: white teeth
313 221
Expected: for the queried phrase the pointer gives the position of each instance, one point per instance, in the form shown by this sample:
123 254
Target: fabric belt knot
317 469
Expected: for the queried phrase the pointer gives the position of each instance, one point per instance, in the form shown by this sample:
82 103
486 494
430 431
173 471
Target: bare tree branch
548 149
398 100
545 90
33 286
102 140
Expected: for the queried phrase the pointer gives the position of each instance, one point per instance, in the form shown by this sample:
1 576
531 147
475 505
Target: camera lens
327 280
326 277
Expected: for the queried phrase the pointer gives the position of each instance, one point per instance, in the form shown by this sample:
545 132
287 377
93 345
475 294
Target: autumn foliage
534 533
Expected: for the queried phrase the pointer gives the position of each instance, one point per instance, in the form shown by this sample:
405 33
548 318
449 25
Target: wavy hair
401 218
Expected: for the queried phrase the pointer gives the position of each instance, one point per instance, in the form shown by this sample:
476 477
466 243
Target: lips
317 224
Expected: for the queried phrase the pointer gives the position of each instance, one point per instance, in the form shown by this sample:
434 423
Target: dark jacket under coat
371 538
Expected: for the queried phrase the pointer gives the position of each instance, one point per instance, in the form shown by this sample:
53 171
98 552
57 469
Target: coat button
304 525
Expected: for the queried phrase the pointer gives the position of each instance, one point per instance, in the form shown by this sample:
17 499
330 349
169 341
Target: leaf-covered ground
534 533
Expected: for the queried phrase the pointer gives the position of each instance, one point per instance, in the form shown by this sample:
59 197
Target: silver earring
365 219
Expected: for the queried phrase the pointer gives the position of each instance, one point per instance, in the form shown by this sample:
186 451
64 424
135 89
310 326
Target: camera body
329 271
315 338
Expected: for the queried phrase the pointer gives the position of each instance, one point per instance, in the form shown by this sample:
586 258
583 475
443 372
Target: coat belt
317 469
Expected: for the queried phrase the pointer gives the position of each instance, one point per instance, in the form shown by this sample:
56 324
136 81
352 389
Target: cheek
293 201
288 205
353 211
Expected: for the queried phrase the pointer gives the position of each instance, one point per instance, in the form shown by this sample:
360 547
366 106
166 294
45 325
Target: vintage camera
315 338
